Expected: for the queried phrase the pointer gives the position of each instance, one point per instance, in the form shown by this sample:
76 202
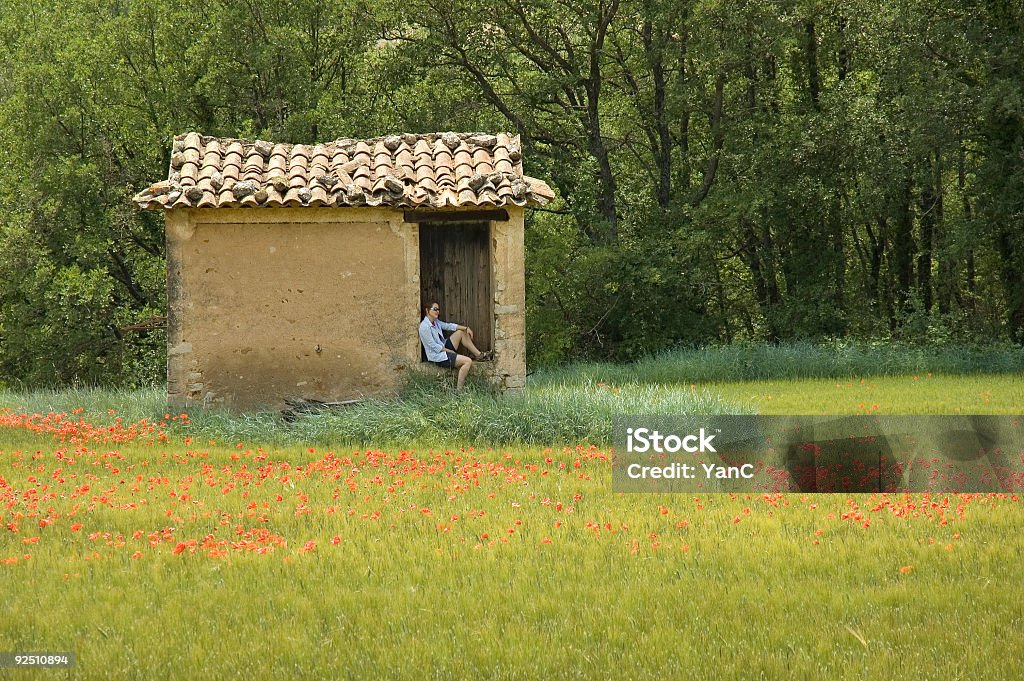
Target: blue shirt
433 339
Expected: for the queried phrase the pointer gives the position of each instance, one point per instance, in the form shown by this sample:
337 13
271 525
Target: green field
922 393
148 550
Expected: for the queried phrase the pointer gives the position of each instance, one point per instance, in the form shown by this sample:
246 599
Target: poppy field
146 551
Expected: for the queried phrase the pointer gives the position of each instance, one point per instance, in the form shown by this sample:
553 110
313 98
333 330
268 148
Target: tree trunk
1012 268
606 197
758 255
685 180
663 145
844 50
945 287
813 75
838 256
929 202
970 275
877 251
903 249
717 139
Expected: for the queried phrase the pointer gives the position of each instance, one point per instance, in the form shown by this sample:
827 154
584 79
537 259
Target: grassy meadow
925 393
229 546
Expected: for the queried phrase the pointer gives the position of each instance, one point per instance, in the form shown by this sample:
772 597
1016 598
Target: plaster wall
275 304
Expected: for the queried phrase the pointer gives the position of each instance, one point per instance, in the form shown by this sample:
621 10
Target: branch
535 39
952 65
717 139
493 96
600 321
564 211
124 276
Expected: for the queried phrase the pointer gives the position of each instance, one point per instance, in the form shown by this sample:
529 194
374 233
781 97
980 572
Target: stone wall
509 288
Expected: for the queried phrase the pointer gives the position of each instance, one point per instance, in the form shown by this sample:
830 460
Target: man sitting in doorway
444 351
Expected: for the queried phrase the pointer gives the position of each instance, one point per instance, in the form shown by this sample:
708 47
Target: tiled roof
436 170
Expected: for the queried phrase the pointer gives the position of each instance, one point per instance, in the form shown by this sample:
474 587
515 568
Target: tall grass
569 404
426 412
789 361
544 414
96 403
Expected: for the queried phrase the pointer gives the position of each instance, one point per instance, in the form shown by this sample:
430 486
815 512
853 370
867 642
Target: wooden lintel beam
497 215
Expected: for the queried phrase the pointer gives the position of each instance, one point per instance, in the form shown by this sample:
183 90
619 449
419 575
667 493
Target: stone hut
300 271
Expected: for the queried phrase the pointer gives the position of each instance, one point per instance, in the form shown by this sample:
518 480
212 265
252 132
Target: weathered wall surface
509 287
314 303
271 304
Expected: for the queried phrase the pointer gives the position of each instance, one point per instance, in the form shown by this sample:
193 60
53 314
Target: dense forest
726 171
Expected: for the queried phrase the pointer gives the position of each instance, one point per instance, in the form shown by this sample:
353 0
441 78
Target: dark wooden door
455 271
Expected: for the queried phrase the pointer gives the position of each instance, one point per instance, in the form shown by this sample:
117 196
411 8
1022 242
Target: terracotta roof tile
404 158
319 197
319 157
435 170
463 157
427 186
489 196
253 168
422 147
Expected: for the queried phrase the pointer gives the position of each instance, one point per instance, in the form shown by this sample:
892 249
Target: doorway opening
455 271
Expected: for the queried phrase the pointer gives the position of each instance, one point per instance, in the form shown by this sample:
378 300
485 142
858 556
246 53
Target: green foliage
726 172
648 292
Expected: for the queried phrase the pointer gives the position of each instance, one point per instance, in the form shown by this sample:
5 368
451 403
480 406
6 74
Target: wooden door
455 271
